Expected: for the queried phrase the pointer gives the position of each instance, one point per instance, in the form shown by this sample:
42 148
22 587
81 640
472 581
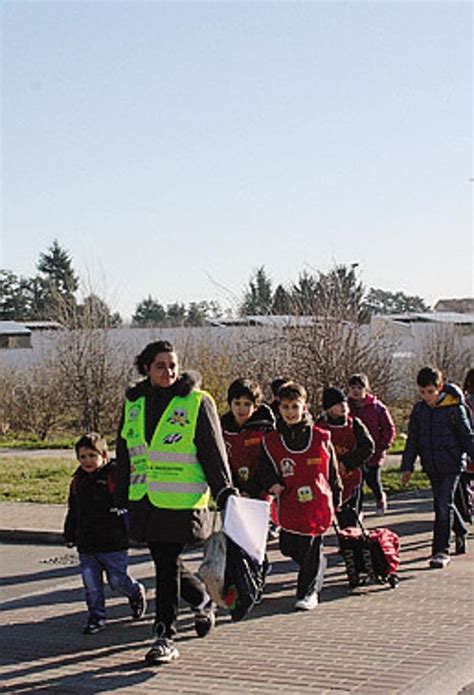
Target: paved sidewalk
416 639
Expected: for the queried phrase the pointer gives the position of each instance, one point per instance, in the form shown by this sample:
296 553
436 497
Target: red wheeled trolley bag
370 555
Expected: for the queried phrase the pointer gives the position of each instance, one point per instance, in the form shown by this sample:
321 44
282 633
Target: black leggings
173 580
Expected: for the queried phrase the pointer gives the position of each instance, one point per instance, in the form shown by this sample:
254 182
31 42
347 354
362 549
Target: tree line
51 294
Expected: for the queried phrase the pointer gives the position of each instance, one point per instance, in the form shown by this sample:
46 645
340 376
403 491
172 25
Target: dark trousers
373 480
306 551
447 516
349 512
173 580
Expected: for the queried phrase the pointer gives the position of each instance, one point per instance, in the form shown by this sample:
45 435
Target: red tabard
242 448
305 505
343 439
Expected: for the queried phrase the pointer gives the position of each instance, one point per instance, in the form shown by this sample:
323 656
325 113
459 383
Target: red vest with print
343 439
305 505
242 448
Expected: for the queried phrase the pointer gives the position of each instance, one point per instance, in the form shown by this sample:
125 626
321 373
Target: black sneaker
138 603
205 618
460 545
94 625
163 651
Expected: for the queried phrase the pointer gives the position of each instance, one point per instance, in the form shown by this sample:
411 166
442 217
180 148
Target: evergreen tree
60 281
384 302
258 296
149 312
282 304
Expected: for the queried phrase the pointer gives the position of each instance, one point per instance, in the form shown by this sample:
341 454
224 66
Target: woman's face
163 371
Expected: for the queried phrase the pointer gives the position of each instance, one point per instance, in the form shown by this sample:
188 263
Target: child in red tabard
353 445
297 462
243 427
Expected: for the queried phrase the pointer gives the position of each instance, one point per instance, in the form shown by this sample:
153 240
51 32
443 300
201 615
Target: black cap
331 396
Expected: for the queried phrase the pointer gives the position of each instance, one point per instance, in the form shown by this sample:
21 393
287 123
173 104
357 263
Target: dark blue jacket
441 436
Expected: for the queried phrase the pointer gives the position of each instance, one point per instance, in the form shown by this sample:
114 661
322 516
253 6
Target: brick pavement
415 639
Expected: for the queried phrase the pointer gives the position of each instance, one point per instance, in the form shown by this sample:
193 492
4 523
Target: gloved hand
122 513
223 496
69 544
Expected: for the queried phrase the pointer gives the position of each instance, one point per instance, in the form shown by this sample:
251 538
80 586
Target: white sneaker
307 603
439 561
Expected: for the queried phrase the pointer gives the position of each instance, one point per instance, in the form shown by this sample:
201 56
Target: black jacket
90 524
152 524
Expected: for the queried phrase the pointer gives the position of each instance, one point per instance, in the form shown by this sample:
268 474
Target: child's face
242 408
292 411
430 394
90 460
338 410
357 392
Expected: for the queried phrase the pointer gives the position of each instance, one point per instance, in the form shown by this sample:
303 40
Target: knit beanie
331 396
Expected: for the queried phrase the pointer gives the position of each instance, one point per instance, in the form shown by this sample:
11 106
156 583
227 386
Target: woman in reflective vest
170 457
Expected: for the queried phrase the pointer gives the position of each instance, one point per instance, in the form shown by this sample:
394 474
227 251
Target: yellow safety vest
167 470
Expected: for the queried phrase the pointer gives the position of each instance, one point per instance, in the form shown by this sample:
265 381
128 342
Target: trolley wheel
393 580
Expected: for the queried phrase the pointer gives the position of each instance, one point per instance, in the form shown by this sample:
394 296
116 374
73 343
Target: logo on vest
304 494
313 461
134 412
287 467
172 438
179 417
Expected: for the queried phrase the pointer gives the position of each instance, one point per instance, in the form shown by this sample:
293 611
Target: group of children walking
310 470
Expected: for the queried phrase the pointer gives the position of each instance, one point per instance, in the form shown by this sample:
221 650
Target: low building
14 335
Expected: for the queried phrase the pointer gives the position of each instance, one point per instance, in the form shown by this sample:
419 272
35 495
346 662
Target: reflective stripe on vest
133 431
171 476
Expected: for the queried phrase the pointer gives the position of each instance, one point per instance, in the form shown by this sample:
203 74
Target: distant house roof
13 328
43 325
432 317
462 306
284 321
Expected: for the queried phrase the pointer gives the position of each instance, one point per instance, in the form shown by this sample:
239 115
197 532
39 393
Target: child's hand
276 489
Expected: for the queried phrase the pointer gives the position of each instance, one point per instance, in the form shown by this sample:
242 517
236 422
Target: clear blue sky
167 143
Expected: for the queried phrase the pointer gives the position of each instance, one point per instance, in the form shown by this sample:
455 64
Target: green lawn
38 479
46 479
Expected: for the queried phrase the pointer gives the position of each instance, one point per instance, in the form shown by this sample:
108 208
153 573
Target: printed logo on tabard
287 467
133 413
172 438
313 461
244 473
304 493
179 416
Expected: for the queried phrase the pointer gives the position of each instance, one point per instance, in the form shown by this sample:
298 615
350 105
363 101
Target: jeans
114 564
307 552
173 580
447 516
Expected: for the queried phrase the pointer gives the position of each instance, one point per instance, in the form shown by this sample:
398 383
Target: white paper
246 523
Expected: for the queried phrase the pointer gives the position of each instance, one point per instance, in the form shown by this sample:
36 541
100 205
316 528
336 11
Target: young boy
439 432
353 445
297 463
243 427
99 532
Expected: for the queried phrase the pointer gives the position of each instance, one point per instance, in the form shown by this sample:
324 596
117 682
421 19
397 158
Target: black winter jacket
90 524
441 436
153 524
